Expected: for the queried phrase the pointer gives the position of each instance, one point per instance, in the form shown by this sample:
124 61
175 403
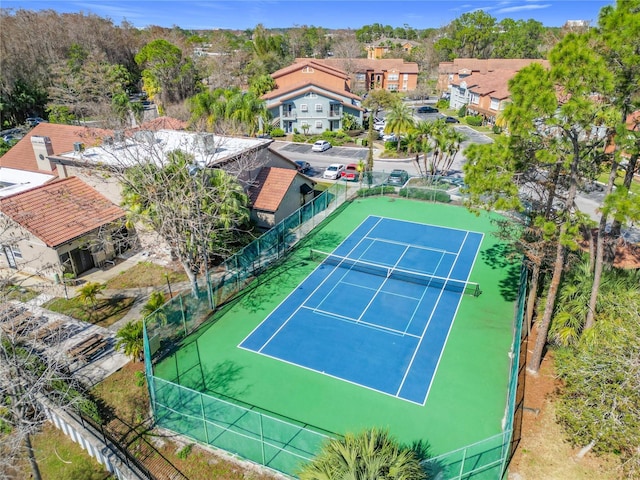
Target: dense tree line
71 67
561 123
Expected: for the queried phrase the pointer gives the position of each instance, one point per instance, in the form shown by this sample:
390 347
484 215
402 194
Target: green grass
18 292
107 311
145 274
635 184
59 457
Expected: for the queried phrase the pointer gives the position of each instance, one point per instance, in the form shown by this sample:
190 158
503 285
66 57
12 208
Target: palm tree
90 291
153 308
399 120
370 455
130 340
452 142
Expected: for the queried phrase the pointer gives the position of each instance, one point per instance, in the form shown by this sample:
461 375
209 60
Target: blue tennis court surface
375 312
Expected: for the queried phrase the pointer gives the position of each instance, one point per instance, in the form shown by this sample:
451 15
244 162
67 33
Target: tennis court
378 310
377 280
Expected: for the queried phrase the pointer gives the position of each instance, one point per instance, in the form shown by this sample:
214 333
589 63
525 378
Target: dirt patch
543 452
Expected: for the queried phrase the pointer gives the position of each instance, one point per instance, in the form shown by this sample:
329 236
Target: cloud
519 8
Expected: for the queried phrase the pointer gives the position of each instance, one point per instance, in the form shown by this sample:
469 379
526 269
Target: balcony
289 115
335 113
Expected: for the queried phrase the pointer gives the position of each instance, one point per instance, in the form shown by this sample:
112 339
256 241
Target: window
393 87
304 107
495 104
16 251
393 77
311 95
307 70
361 77
318 107
319 124
475 98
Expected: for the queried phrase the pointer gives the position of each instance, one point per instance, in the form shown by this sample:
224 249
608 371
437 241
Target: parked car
303 167
379 125
426 109
351 173
390 137
33 121
451 120
397 177
333 171
321 146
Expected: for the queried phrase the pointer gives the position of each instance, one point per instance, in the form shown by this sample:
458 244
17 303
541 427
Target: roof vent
78 147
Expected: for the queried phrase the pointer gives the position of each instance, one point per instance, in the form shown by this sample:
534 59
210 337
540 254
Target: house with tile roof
383 46
63 226
277 193
50 152
481 85
311 96
365 74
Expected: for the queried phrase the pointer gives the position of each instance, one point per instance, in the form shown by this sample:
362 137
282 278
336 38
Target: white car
333 171
321 146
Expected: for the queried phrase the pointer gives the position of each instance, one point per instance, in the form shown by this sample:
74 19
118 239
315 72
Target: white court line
424 331
309 296
387 292
373 326
404 244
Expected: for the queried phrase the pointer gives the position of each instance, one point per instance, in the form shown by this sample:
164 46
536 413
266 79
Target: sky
331 14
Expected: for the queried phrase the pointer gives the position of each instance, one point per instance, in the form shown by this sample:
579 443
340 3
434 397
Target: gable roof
271 186
311 63
60 211
21 156
306 87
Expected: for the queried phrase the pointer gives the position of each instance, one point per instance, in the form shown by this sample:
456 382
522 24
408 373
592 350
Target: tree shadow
503 257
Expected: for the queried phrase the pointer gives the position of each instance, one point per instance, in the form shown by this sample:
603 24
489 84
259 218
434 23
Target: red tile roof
312 63
61 210
270 188
300 88
21 156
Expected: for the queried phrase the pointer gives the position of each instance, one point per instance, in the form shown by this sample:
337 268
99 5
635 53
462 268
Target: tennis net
460 286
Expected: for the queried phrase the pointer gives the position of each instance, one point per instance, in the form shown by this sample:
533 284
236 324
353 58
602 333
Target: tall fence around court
269 438
488 459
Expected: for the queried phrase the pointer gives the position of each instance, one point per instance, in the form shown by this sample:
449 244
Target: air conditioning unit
78 147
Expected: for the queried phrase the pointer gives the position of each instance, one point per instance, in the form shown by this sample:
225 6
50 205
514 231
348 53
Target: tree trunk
599 256
533 295
193 280
32 458
628 180
543 328
558 266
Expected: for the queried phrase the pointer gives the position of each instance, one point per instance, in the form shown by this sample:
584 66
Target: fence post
183 313
264 458
204 420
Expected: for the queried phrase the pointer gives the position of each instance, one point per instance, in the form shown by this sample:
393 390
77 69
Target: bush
496 129
381 190
433 195
184 452
474 120
297 137
462 111
277 132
